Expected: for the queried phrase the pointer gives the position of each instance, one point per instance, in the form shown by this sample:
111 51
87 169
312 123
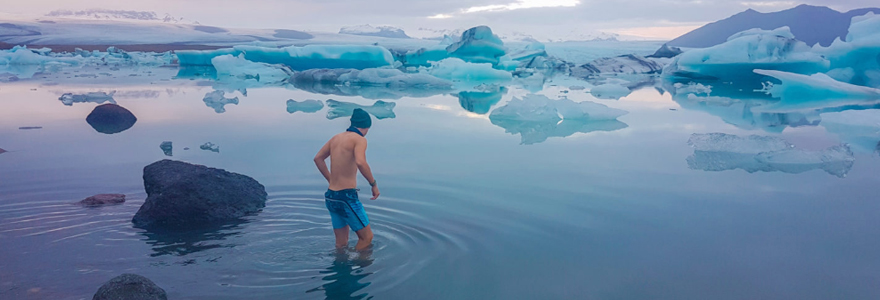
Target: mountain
811 24
380 31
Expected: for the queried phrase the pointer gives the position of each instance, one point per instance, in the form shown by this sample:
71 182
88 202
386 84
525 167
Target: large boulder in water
130 287
180 194
111 118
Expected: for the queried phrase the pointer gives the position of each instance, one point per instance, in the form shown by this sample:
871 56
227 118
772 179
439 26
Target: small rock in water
111 119
210 147
103 199
30 127
2 151
130 287
185 148
166 147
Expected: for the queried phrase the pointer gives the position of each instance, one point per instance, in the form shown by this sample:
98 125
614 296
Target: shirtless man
348 154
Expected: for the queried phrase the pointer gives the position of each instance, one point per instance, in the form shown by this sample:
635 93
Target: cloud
522 4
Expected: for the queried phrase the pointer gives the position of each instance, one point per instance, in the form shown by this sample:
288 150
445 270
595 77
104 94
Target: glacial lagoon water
471 208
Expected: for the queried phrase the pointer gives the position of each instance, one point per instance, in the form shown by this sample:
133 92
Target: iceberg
210 147
745 51
392 78
536 118
721 152
306 106
167 148
478 45
299 58
624 64
860 53
610 91
858 128
93 97
380 109
818 91
424 56
218 101
460 71
237 67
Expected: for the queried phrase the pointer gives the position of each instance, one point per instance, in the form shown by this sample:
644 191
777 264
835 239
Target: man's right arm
360 156
320 160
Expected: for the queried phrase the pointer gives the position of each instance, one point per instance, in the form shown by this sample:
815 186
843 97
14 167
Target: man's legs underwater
342 237
365 238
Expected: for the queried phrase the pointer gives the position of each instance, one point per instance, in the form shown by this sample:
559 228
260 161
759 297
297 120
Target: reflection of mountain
722 152
536 118
480 102
344 275
180 242
380 109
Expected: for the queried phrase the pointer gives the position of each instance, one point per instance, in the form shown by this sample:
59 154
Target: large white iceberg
859 55
748 50
721 152
536 118
818 91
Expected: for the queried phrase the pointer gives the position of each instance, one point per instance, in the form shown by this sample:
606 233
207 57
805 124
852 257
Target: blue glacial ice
857 60
610 91
386 77
240 68
91 97
306 106
478 45
721 152
299 58
217 100
536 118
380 109
481 102
818 91
745 51
210 147
467 74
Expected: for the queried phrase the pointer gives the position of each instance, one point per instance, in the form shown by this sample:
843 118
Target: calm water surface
468 209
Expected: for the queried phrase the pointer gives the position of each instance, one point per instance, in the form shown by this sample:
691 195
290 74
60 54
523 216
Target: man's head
360 119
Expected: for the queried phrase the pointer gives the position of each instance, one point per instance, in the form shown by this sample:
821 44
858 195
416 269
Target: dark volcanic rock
111 118
666 52
103 199
186 195
130 287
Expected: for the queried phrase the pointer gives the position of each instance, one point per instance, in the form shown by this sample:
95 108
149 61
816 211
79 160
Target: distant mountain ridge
380 31
811 24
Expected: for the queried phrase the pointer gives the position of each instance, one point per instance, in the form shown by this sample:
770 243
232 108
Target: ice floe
536 118
306 106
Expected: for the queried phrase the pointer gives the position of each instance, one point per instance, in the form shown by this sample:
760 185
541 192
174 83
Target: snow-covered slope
381 31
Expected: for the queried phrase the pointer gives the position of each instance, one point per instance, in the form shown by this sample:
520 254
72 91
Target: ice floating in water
817 91
306 106
94 97
463 72
380 109
210 147
859 56
625 64
536 118
424 56
478 45
218 101
610 91
859 128
721 152
300 58
239 68
745 51
167 148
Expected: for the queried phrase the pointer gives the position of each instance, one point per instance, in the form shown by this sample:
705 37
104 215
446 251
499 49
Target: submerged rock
130 287
103 199
111 118
180 194
167 148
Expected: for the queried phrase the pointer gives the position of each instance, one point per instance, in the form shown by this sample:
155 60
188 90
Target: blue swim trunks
346 209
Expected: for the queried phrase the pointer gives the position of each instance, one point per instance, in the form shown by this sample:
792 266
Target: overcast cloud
652 18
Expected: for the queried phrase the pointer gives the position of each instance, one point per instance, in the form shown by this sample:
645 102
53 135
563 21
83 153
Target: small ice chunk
94 97
380 109
306 106
218 101
610 91
210 147
166 148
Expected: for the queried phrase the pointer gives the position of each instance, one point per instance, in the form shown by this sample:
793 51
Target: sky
657 19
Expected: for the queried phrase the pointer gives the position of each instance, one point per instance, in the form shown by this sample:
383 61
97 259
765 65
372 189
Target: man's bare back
348 154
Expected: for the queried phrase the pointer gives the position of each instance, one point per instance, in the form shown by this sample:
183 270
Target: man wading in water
348 154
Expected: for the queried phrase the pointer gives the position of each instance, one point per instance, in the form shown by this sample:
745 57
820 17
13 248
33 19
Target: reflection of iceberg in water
306 106
94 97
218 101
380 109
859 128
370 84
536 118
480 102
181 242
344 276
721 152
